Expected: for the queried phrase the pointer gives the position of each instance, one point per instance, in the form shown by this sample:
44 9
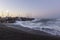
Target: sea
51 26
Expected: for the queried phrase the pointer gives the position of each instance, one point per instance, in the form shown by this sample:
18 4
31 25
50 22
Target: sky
30 8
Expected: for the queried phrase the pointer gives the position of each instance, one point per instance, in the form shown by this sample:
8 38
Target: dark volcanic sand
7 33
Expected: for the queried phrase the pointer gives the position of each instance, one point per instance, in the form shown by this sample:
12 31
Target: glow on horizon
31 8
7 13
4 13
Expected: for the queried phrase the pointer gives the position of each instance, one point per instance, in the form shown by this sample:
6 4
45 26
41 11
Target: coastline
9 33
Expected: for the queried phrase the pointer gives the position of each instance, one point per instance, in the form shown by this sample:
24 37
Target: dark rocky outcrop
13 19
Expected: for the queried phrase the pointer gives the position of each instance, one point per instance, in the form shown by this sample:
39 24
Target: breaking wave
51 26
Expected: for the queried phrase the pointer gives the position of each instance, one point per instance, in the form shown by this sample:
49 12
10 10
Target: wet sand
9 33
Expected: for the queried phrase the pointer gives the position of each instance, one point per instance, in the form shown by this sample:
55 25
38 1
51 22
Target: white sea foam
52 27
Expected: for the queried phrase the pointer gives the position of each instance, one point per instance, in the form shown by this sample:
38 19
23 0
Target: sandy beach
21 33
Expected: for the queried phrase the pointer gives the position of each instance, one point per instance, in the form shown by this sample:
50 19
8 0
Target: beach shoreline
9 33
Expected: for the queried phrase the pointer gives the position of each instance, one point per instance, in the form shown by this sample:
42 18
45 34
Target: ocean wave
51 26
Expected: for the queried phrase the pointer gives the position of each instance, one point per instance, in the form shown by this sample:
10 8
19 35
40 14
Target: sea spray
47 25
